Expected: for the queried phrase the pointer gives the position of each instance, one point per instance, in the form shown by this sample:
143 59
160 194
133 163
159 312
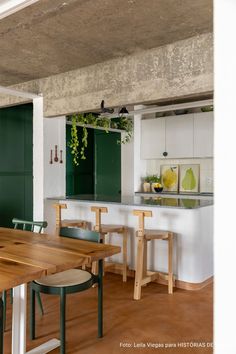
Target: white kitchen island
190 219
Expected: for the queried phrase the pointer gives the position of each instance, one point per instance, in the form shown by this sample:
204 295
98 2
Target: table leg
1 326
100 298
19 325
19 319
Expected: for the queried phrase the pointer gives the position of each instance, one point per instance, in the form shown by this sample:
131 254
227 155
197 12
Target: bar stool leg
170 265
145 260
94 269
139 268
125 255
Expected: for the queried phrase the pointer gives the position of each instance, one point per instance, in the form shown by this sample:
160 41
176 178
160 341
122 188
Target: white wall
55 173
127 168
133 169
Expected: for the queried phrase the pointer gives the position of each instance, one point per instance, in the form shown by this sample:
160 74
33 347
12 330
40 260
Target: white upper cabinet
203 134
152 138
179 136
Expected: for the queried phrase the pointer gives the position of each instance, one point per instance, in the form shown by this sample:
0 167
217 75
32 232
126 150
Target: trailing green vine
77 151
74 142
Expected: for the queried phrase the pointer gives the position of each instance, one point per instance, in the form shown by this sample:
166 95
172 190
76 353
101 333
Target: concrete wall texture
180 69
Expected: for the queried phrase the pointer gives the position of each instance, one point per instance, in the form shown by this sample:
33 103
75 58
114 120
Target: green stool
69 282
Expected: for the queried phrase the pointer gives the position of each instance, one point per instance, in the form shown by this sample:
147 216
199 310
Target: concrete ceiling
55 36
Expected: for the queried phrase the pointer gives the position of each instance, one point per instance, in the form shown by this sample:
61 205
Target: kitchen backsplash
206 170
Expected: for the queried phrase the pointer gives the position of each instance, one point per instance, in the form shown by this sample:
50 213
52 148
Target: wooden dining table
25 256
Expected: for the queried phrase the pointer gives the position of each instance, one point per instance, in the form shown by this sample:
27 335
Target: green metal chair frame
34 226
62 291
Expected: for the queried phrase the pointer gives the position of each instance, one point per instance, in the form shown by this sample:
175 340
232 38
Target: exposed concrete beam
17 93
181 69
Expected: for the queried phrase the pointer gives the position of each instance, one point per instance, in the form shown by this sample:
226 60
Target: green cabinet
16 163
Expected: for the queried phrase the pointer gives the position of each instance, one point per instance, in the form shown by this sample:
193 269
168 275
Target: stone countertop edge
133 201
198 194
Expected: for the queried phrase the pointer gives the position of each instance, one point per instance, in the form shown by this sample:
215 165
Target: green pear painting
189 178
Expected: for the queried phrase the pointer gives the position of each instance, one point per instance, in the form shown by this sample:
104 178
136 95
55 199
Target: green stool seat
69 277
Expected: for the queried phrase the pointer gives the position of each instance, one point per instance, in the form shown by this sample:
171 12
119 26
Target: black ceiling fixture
106 110
123 111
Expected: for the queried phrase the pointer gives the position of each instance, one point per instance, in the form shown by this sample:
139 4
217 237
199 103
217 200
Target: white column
139 165
225 147
38 159
127 168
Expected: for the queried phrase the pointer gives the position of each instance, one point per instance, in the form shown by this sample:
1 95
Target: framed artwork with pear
189 178
170 177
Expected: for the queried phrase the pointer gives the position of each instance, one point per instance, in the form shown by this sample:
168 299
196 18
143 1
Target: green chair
69 282
34 226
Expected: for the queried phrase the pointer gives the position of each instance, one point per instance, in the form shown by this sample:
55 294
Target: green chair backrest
34 226
80 234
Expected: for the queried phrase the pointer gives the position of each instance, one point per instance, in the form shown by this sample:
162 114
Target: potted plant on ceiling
93 120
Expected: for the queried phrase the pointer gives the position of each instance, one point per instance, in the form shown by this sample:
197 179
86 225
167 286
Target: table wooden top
26 255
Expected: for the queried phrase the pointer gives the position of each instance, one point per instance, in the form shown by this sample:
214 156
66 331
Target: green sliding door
107 167
80 179
16 163
100 173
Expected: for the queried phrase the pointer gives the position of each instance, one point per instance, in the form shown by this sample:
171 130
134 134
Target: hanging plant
126 124
74 142
122 123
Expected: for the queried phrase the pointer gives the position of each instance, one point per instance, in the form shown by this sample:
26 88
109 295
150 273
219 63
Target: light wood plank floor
182 319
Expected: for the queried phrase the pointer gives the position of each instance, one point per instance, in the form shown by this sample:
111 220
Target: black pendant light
123 111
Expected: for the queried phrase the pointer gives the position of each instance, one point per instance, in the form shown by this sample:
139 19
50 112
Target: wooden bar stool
66 223
106 229
142 276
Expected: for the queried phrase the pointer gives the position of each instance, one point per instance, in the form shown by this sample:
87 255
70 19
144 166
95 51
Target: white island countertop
191 220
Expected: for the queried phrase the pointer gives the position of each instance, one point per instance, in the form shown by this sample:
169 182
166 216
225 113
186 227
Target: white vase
146 187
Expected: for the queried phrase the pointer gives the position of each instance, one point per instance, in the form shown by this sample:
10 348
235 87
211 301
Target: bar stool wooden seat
142 275
105 229
67 223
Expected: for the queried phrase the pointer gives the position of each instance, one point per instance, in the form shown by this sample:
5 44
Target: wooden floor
183 320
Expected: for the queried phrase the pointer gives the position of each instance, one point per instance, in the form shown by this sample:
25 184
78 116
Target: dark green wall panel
16 163
12 202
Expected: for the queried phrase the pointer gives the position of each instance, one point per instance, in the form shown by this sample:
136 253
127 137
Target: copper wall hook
61 156
51 157
56 157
